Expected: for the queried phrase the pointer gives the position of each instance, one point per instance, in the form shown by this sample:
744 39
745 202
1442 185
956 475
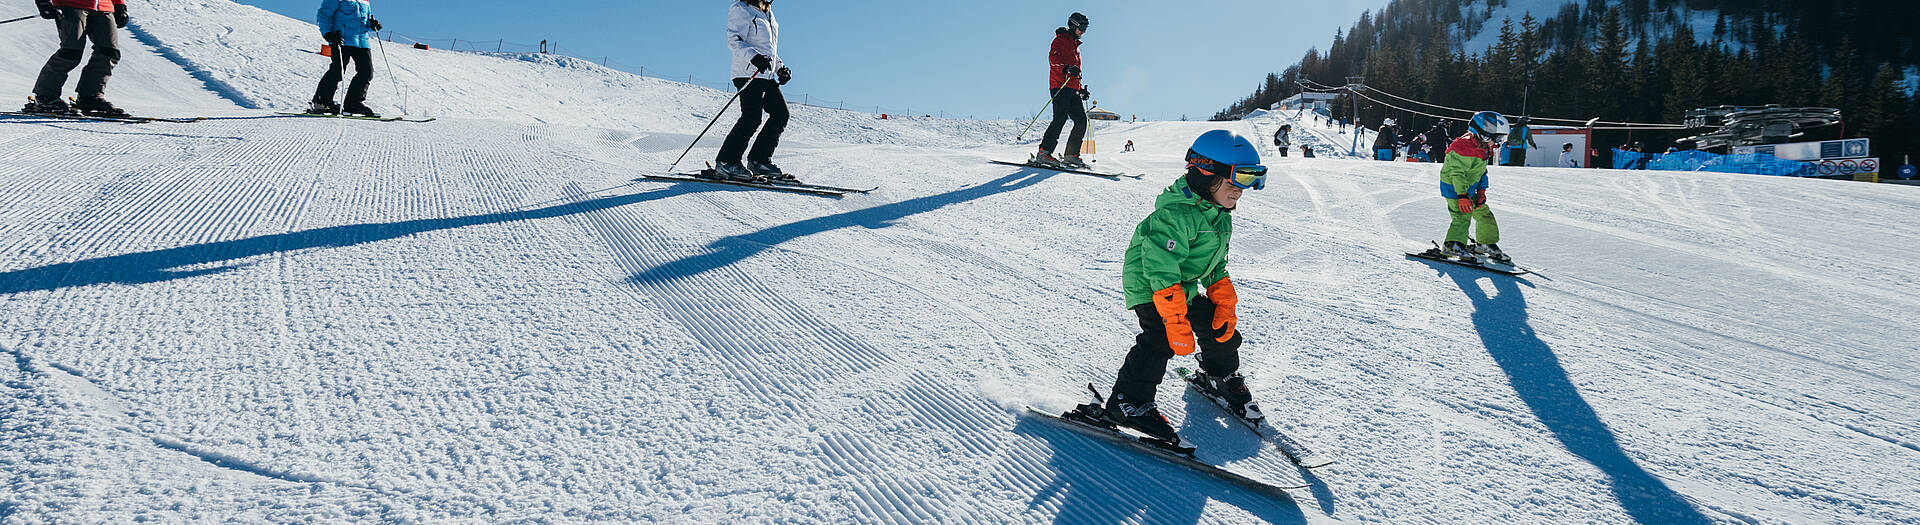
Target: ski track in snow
274 319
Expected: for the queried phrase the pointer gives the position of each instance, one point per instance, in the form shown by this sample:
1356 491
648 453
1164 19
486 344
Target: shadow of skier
1095 482
1537 377
733 249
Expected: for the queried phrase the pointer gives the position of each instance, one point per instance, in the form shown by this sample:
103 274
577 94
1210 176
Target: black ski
355 117
1064 169
1294 450
1436 254
708 174
1143 445
128 120
762 185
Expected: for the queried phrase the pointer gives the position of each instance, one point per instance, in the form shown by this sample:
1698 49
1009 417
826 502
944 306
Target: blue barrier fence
1714 162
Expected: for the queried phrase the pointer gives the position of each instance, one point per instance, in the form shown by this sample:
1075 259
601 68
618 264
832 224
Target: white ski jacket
750 32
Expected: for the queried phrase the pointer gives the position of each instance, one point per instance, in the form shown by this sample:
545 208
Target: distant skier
754 37
1129 146
1522 138
1283 139
1306 151
1463 181
1387 141
1063 81
1417 148
80 21
1175 251
1437 138
1567 159
346 25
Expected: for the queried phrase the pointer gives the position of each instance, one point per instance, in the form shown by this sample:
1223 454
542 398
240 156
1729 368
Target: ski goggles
1250 176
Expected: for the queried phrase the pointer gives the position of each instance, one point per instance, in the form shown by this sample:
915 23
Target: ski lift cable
1634 125
1599 128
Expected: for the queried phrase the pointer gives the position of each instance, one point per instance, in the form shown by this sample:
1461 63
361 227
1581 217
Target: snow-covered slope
285 319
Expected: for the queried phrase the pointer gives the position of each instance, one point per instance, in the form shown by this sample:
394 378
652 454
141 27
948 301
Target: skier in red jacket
1063 81
79 21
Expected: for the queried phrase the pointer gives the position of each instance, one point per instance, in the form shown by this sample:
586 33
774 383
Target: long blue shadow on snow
729 250
1540 381
161 265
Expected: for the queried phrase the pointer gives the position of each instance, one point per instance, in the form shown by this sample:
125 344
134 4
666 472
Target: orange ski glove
1171 302
1465 205
1224 299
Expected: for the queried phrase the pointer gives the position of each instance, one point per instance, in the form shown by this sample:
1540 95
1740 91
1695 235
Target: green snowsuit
1465 175
1184 241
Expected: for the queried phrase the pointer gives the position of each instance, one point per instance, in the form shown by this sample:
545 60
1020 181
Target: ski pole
716 118
390 81
18 19
1043 110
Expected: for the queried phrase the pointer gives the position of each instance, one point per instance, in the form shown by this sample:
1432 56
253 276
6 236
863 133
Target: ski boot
733 171
1460 250
323 107
771 172
1492 251
1074 161
99 107
1044 158
1144 417
359 110
1232 389
51 106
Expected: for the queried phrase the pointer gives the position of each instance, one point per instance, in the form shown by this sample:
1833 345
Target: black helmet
1077 22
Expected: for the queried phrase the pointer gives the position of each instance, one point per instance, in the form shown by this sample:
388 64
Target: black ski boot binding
1144 417
771 172
323 107
1233 390
99 107
51 106
359 110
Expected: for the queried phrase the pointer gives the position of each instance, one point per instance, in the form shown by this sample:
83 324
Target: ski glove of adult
1084 94
333 37
784 74
762 62
1224 299
373 24
47 10
120 17
1071 70
1171 302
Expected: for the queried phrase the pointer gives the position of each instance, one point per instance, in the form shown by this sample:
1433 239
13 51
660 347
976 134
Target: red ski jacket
104 6
1065 52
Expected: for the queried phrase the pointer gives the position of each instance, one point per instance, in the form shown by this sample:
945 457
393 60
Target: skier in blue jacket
346 25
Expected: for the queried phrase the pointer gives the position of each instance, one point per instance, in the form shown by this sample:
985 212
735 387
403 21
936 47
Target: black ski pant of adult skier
76 27
1147 362
760 95
362 59
1282 148
1066 105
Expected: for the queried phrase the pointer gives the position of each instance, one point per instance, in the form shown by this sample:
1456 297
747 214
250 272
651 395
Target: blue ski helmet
1490 126
1222 153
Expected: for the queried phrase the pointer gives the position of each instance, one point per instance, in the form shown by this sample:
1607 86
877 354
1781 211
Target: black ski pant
1282 148
76 27
362 59
1066 105
760 95
1147 362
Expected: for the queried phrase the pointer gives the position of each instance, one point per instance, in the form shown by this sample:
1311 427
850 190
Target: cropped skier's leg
1078 113
362 59
106 54
1457 230
72 26
736 143
1051 139
775 104
1147 361
1217 358
1486 230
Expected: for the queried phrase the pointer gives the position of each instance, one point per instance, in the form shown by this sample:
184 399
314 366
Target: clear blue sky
985 58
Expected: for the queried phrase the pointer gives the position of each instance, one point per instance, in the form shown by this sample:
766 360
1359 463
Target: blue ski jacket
349 17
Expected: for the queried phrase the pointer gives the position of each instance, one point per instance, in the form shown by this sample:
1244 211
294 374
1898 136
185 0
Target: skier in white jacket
754 37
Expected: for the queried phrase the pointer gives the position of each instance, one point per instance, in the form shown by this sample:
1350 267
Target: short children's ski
749 184
1294 450
1064 169
128 120
1111 434
355 117
1436 254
